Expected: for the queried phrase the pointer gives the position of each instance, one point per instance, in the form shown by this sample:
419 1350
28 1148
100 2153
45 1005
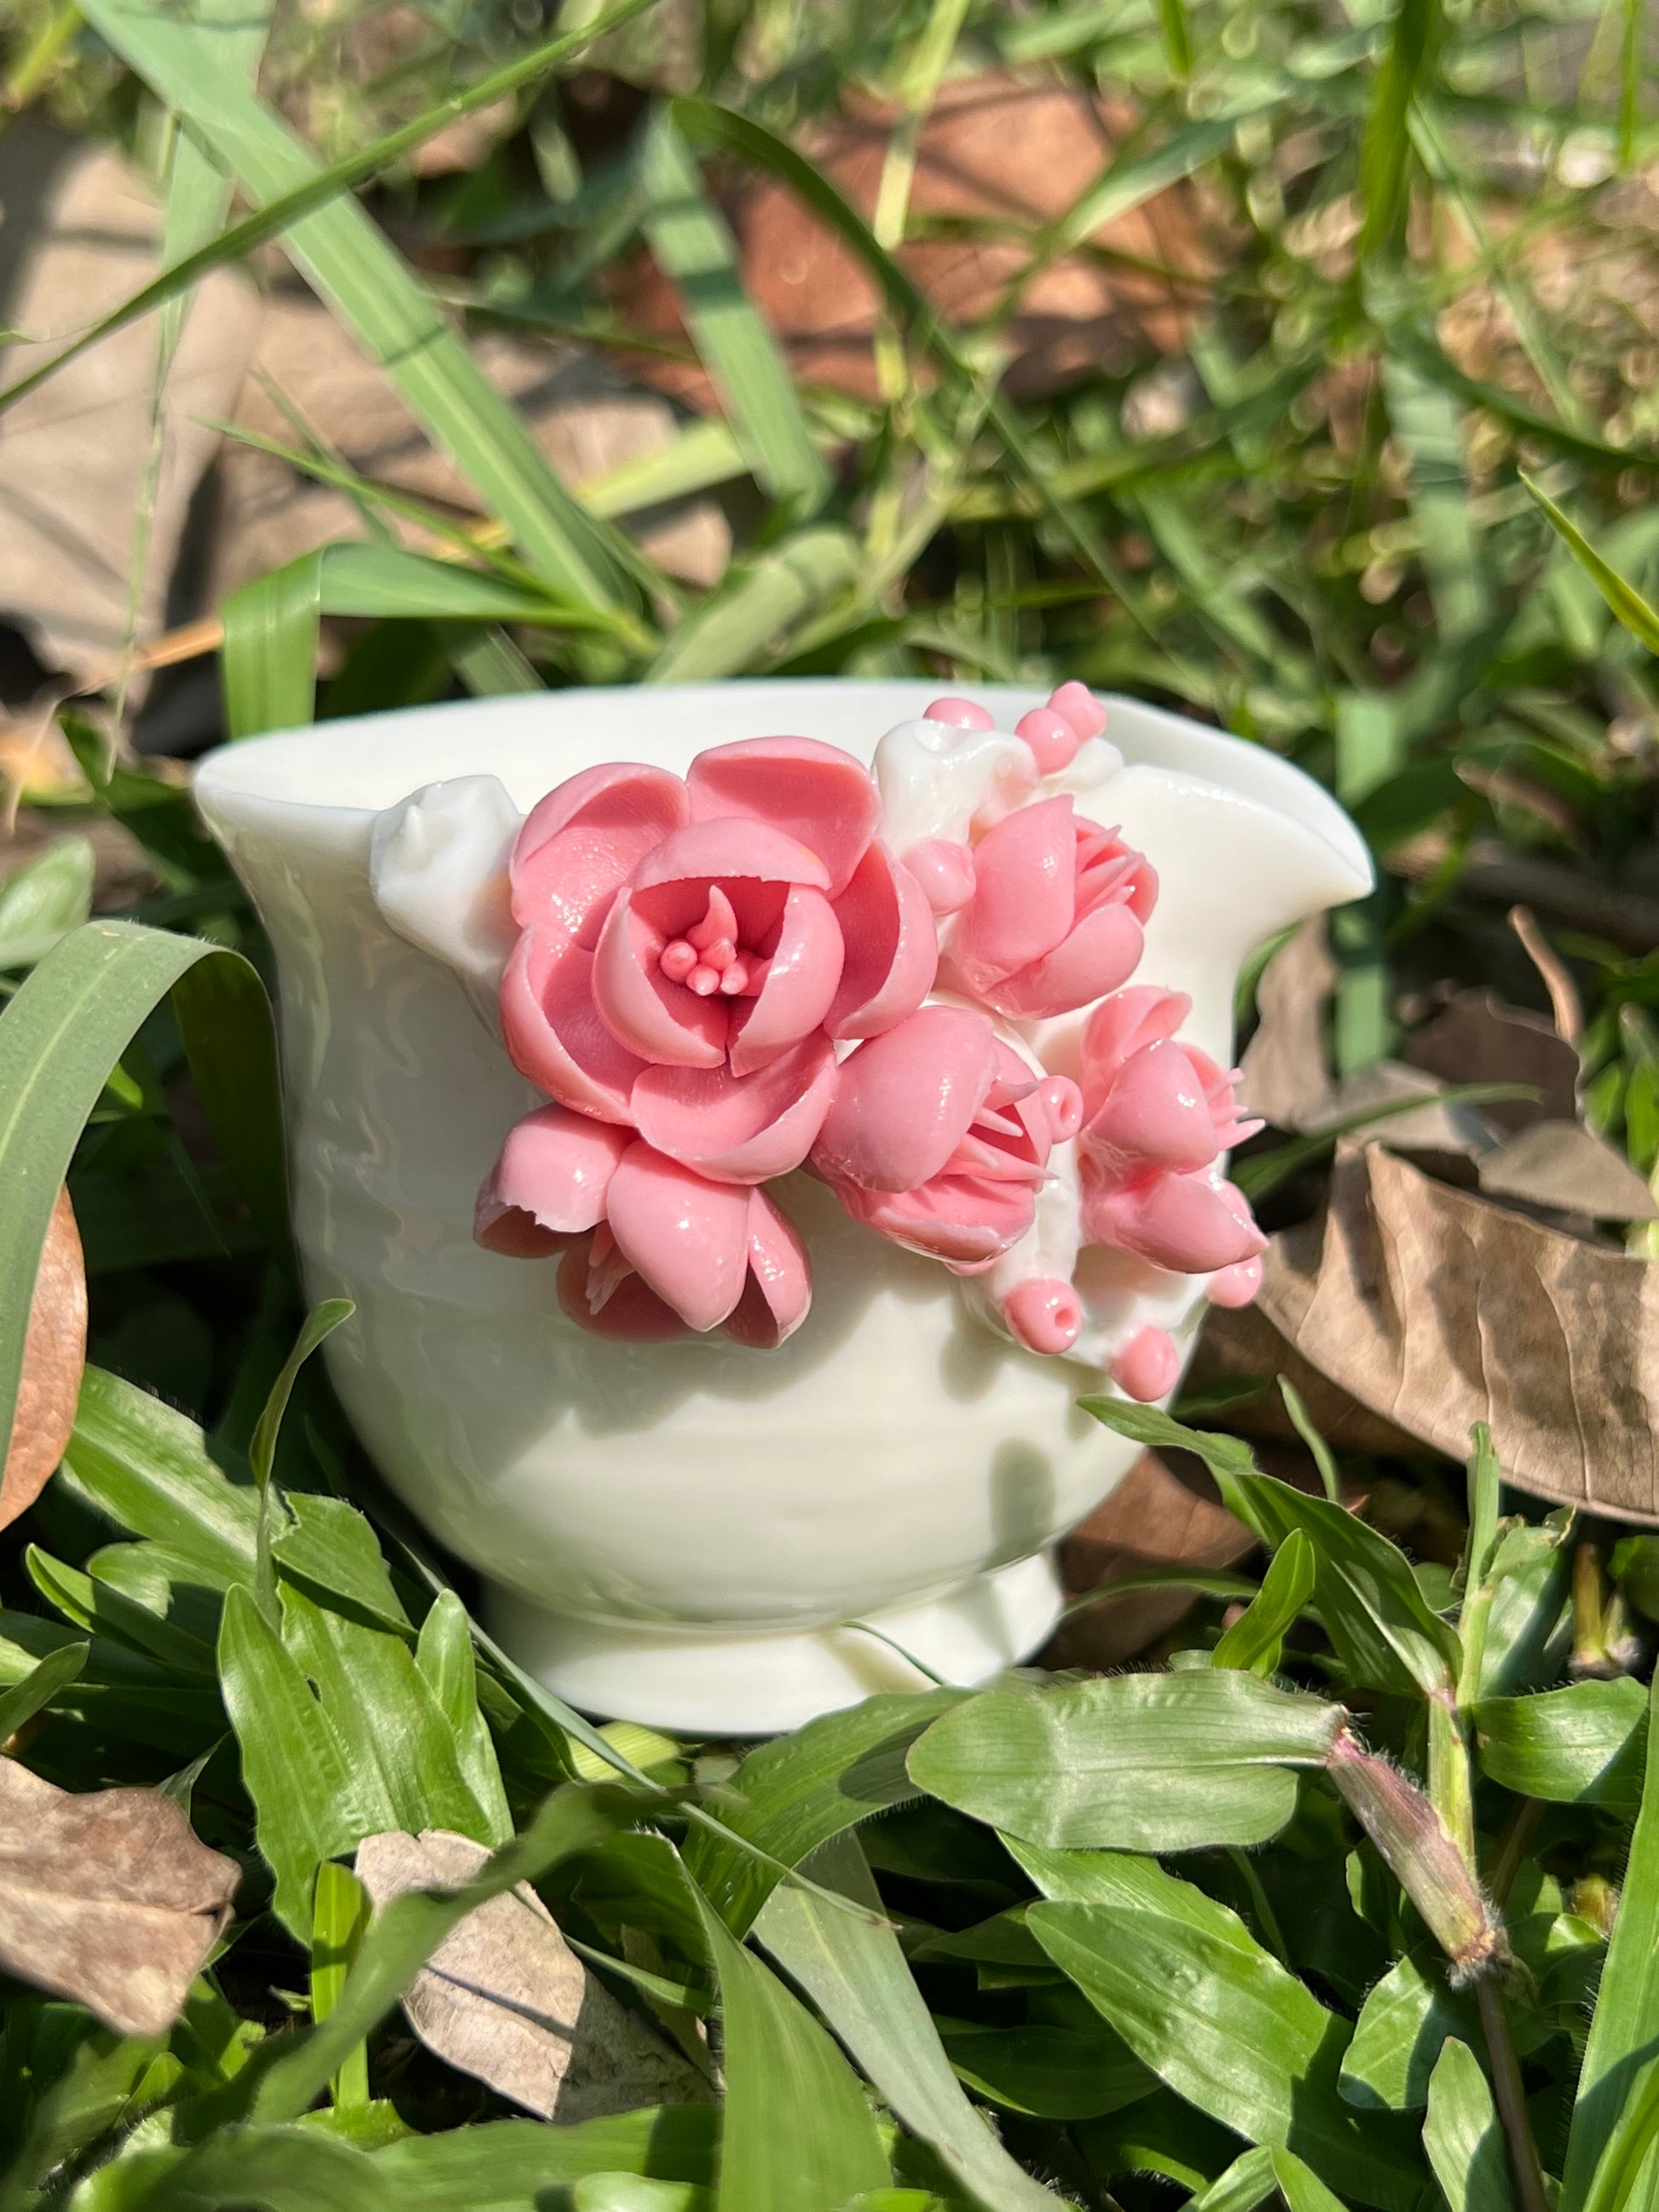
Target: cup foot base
701 1682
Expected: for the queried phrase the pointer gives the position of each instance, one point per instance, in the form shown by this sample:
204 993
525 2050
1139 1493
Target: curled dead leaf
54 1354
107 1898
1240 1344
505 1998
1286 1078
1437 1309
1151 1521
1565 1166
1477 1038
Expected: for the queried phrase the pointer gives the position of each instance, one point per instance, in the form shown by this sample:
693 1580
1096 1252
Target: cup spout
1245 846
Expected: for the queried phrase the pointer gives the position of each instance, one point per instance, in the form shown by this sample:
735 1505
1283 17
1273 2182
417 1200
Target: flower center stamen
707 959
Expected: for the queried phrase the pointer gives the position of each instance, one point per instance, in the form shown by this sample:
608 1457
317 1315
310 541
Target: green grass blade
349 262
1385 150
1426 425
1638 617
695 247
39 1687
858 1976
797 2135
271 624
758 607
281 213
59 1039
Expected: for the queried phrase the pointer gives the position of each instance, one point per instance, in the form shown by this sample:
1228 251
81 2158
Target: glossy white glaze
699 1520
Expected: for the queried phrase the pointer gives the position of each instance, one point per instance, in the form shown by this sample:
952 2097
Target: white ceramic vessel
691 1533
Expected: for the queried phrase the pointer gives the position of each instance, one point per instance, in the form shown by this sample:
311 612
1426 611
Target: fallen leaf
1447 1134
107 1898
1437 1309
585 418
995 154
1286 1079
1566 1166
1477 1038
54 1353
83 233
505 1998
1152 1520
1240 1344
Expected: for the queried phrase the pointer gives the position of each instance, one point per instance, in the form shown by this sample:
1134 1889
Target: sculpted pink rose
939 1137
690 950
1157 1114
689 953
1056 918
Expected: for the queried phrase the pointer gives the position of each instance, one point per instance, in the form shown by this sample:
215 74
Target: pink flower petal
629 1313
719 850
819 794
1103 951
739 1129
779 1291
1075 703
967 1225
510 1233
585 839
687 1236
1237 1285
1156 1114
553 1033
1179 1222
803 972
892 947
1052 740
945 869
1024 892
644 1010
1124 1023
550 1181
904 1101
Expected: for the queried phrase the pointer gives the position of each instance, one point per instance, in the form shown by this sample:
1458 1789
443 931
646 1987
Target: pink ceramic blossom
669 1250
1056 916
690 950
1157 1114
939 1137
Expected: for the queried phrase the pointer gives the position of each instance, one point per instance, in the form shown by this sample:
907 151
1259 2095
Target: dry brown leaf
1566 1166
1449 1135
585 418
82 233
993 153
1240 1344
1151 1520
1438 1309
505 1998
54 1353
107 1898
1479 1039
1286 1081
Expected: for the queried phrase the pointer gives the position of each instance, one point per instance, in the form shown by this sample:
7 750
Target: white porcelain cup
712 1538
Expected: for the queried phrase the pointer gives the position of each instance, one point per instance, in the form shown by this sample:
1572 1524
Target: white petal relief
437 868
